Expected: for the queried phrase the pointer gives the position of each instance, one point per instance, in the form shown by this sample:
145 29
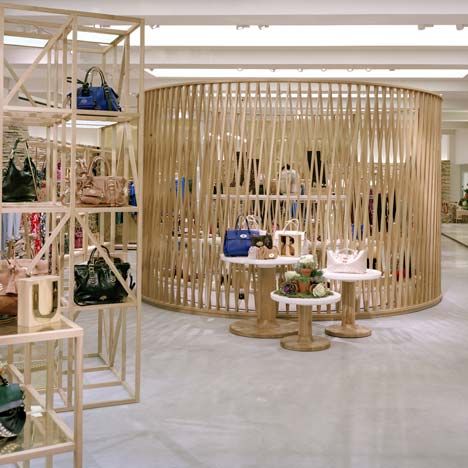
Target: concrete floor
457 232
398 399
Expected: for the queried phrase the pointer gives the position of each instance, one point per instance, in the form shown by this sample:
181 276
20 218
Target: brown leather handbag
103 190
10 271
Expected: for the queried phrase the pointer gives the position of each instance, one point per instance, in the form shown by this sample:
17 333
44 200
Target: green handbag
20 185
12 413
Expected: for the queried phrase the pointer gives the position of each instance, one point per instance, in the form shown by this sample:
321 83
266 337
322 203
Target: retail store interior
234 234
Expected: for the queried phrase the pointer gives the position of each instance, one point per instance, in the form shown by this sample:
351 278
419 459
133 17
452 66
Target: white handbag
289 241
347 261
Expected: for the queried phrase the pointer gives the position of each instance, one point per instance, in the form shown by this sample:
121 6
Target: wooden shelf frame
60 58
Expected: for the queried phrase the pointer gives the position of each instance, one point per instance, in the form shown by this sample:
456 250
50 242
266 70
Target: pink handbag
347 261
104 190
13 269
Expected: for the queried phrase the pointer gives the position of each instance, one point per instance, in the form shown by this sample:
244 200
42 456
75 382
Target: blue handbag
237 242
91 97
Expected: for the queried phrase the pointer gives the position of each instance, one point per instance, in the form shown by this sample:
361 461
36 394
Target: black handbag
95 282
20 185
12 413
262 241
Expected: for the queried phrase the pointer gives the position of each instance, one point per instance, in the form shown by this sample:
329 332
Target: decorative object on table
237 241
289 288
91 97
12 413
464 201
289 240
304 280
318 290
20 185
264 253
38 301
95 282
104 190
253 222
262 241
303 283
306 265
347 261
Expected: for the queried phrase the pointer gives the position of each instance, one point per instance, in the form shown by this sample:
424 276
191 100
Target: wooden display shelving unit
63 44
44 434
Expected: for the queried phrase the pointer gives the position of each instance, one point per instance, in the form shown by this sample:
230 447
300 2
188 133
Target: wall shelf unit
42 94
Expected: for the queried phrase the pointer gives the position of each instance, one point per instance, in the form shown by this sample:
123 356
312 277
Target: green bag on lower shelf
12 413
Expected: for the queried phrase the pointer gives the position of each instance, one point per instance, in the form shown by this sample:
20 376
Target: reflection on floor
456 232
397 399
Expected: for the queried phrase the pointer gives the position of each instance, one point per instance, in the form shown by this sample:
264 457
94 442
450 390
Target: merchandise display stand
44 434
68 44
266 324
349 328
305 340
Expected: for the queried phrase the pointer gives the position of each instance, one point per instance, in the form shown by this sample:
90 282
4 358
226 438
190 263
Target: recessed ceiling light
307 73
305 36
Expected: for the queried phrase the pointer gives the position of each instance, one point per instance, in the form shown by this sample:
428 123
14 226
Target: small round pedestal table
305 341
266 325
349 328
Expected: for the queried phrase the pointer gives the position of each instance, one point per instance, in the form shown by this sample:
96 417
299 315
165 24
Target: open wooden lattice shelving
73 41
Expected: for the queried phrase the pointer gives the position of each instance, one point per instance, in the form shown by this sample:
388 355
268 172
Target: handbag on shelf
347 261
104 190
20 185
237 241
95 282
91 97
12 270
290 239
12 413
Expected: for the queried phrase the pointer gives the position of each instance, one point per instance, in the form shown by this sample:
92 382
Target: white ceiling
296 12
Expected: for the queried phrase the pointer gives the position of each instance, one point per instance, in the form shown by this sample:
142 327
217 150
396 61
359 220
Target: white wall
87 136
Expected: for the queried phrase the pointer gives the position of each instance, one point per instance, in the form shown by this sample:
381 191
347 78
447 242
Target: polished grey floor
398 399
457 232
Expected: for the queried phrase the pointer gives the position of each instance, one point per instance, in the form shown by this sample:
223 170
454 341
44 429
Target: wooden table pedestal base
305 341
266 325
348 328
263 329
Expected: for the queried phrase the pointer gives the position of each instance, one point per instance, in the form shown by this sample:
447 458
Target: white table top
336 297
351 277
274 262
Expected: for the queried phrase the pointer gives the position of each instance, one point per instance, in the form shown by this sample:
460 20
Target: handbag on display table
347 261
20 185
238 241
290 240
95 282
104 190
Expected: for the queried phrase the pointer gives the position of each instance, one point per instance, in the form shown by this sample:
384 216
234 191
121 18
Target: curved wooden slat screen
367 158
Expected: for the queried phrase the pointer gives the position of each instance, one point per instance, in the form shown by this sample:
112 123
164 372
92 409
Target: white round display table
349 328
266 324
305 341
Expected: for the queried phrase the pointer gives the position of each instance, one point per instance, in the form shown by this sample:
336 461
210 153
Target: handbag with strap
95 282
104 190
347 261
20 185
10 271
96 97
237 241
12 413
